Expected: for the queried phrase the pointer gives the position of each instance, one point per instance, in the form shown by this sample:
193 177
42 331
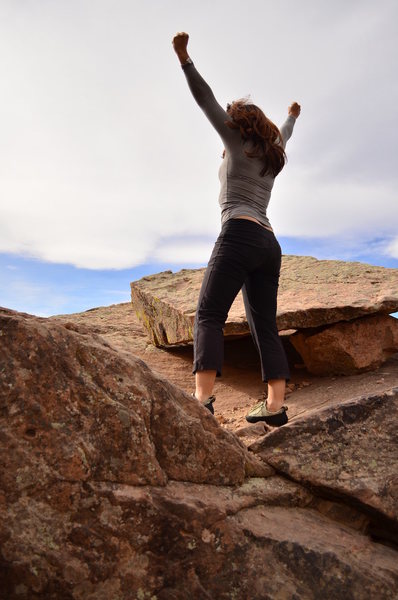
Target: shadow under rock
239 353
241 357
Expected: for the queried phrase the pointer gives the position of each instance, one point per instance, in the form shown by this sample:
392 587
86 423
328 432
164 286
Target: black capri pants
246 256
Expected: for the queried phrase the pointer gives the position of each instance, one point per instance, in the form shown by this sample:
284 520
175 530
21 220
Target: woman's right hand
294 109
180 43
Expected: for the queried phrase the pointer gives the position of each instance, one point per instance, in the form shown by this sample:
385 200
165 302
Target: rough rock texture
350 450
109 540
348 347
312 293
240 385
91 446
93 413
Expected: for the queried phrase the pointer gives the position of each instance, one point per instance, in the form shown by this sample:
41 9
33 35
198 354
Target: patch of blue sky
45 289
371 252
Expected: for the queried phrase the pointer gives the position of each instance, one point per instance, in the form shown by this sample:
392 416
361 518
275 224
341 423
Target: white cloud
104 154
305 206
183 251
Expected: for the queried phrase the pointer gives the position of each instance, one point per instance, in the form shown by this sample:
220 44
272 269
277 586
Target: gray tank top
243 191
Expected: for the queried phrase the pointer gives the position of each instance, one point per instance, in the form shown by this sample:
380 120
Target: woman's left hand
294 109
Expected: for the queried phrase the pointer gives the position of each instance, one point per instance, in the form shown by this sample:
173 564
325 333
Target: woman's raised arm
287 127
202 92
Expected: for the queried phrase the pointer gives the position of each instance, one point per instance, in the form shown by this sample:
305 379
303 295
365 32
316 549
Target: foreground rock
94 414
115 484
312 293
348 347
349 450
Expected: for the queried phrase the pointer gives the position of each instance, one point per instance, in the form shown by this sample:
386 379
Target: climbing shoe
208 403
259 412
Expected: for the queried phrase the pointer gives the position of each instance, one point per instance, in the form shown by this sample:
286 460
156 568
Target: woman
246 255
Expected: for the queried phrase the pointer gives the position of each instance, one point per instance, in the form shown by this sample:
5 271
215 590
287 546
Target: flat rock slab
312 293
350 450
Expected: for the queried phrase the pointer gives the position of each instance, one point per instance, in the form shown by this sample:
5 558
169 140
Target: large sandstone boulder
93 413
312 293
114 484
350 450
349 346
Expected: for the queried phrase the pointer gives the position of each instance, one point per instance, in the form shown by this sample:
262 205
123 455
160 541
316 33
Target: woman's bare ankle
204 384
274 406
276 394
201 397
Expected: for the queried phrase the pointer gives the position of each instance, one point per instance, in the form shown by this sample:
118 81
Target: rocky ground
115 483
240 385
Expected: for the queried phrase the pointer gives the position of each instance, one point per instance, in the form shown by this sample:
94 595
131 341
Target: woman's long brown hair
264 135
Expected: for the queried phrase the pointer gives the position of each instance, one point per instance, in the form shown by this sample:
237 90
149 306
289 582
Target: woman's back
244 191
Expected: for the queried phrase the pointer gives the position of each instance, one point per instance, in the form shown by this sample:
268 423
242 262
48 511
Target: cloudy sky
109 169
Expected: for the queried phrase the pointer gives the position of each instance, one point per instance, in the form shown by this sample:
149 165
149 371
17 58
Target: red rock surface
113 485
312 293
240 386
73 396
348 347
347 450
